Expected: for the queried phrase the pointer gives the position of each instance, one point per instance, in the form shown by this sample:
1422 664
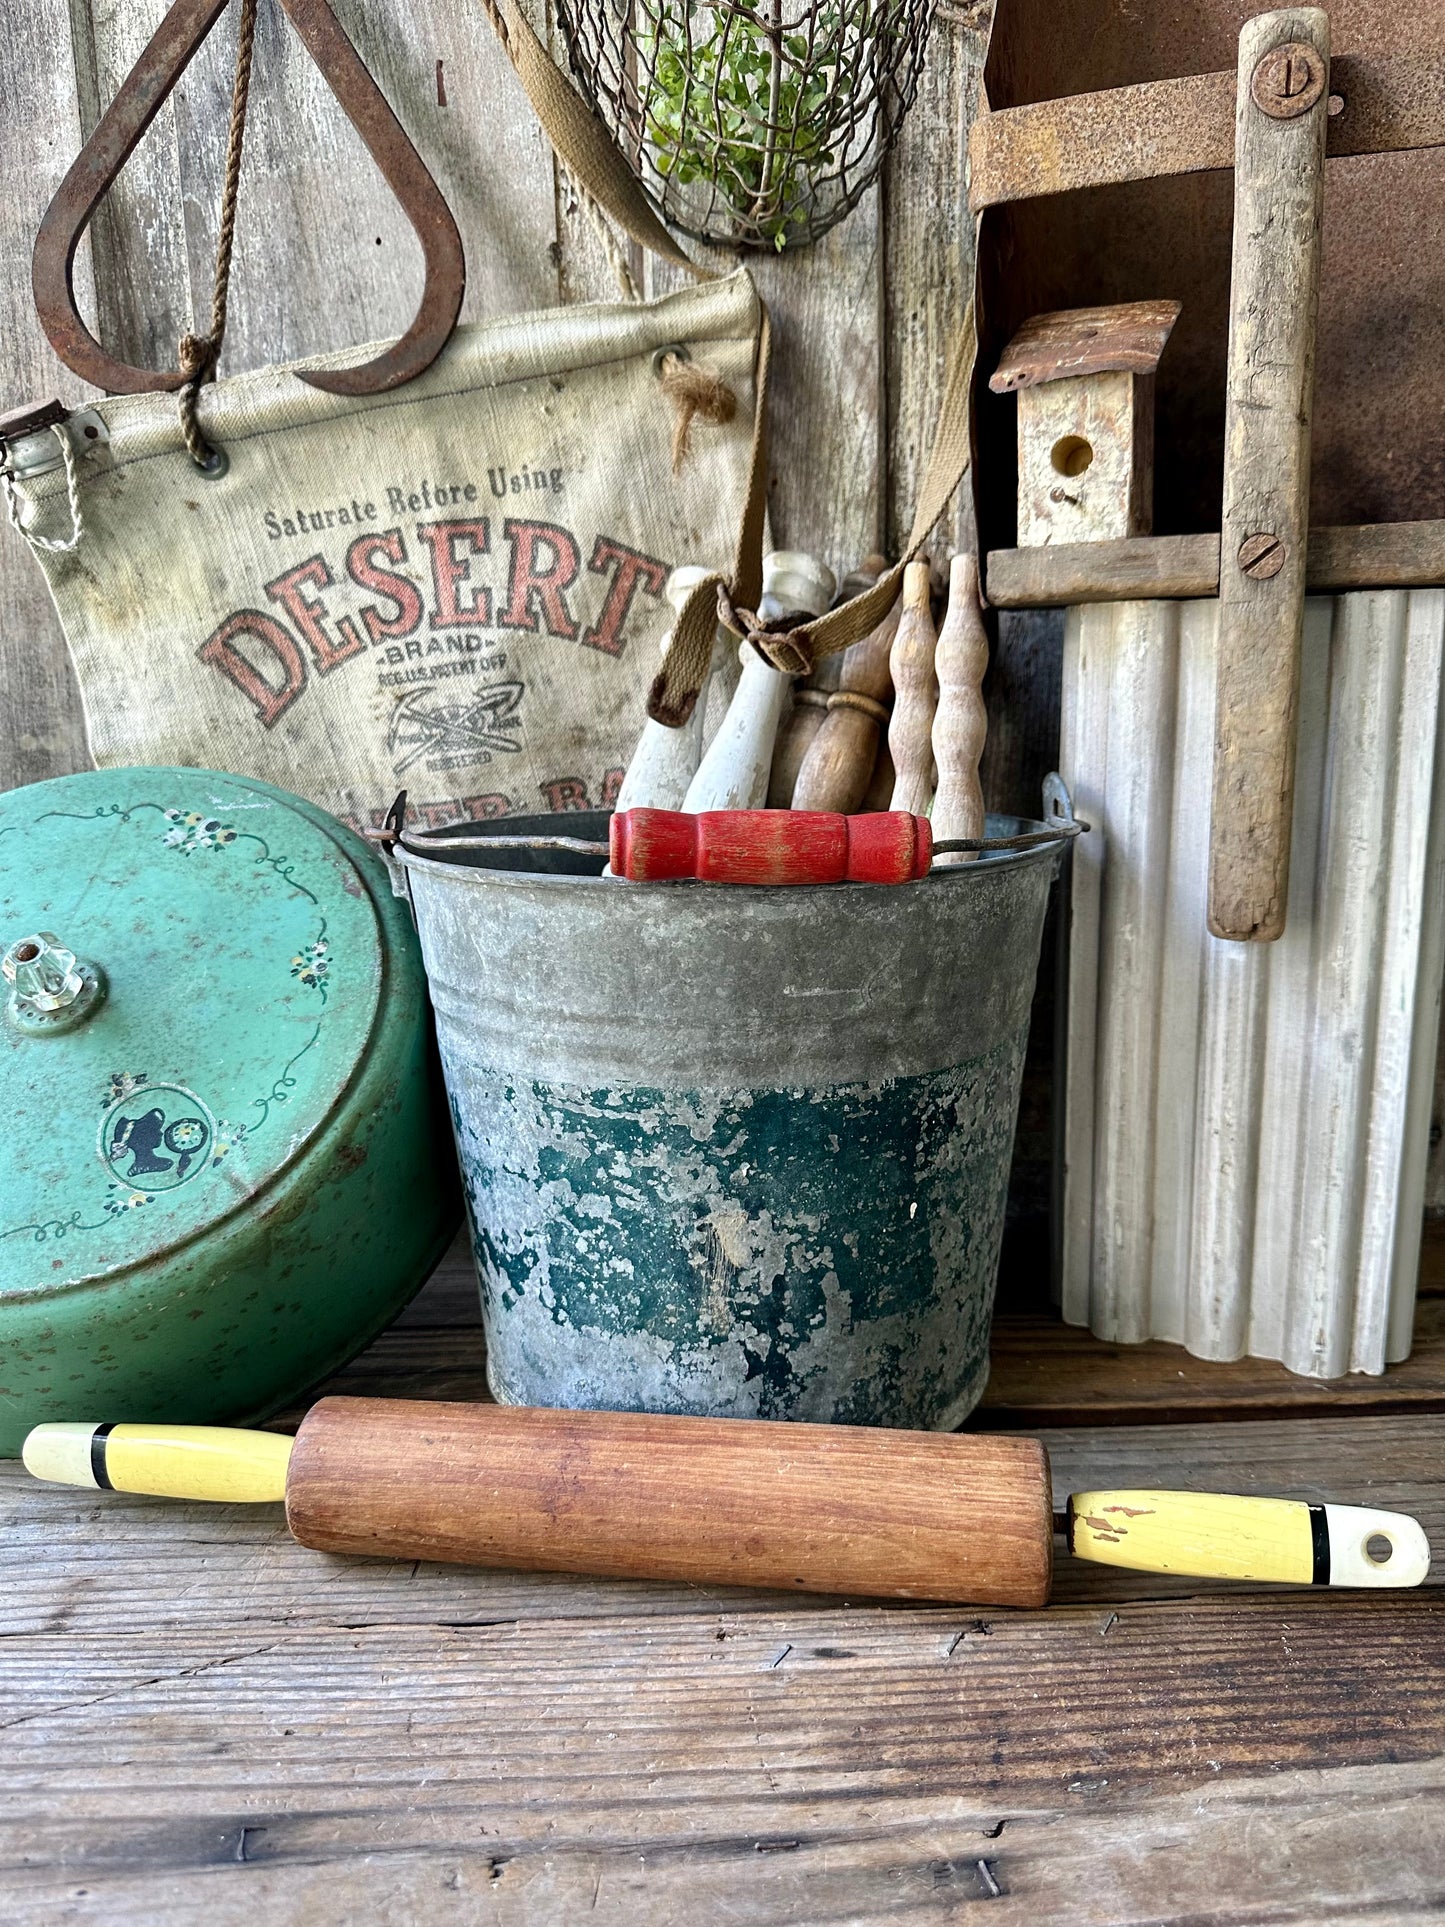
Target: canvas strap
797 650
590 155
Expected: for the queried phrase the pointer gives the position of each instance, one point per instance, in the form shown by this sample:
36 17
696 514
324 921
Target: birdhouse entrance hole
1071 454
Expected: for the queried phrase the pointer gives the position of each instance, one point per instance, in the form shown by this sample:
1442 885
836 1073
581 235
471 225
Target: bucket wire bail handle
118 133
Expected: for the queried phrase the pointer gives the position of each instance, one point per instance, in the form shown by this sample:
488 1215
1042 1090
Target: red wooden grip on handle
770 846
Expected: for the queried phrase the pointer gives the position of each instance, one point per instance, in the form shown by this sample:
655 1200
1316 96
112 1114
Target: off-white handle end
1371 1548
60 1454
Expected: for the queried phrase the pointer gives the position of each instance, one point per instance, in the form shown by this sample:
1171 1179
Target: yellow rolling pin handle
1210 1535
168 1461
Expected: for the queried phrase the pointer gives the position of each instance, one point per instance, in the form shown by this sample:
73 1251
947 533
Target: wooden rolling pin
836 771
960 723
812 698
910 733
737 764
742 1502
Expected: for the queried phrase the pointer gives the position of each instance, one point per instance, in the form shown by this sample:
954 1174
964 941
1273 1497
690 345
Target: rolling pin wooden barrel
744 1502
910 732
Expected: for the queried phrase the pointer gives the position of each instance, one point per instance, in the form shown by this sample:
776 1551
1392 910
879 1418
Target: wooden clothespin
812 696
910 733
734 772
665 760
838 767
960 723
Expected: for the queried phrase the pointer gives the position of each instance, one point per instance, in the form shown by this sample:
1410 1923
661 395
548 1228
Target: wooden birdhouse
1085 385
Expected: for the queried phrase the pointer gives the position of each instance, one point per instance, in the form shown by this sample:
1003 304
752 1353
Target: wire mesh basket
750 126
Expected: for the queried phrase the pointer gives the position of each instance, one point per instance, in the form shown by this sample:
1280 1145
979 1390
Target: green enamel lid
192 966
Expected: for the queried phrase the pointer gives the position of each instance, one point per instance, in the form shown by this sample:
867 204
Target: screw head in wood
1288 80
1262 556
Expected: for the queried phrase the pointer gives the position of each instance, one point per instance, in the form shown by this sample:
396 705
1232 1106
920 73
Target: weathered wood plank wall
325 258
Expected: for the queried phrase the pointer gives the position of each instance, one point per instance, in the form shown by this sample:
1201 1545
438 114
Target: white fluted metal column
1246 1125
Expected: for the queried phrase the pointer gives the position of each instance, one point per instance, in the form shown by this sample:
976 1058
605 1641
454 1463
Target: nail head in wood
1262 556
1288 81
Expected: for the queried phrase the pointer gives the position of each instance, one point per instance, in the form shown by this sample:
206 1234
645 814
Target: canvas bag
455 587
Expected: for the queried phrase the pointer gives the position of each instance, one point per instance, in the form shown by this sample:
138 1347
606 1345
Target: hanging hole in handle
670 348
216 464
1379 1549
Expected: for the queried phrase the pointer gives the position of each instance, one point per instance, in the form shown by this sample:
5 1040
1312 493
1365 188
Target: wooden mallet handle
811 1508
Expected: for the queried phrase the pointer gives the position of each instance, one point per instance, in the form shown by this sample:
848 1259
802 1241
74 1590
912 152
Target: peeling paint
750 1270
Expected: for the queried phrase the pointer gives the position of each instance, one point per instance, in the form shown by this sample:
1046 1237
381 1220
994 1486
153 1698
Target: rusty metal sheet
1186 126
1086 341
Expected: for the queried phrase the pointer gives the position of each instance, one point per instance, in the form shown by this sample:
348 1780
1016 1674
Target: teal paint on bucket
733 1151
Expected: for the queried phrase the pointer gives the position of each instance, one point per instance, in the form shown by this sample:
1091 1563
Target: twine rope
697 394
72 489
199 354
606 234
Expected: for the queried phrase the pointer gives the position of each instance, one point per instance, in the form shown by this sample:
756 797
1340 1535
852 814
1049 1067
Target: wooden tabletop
204 1721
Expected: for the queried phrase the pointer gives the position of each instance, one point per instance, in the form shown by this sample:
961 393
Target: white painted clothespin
733 774
665 760
960 723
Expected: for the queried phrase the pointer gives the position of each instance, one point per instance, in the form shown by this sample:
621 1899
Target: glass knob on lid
53 989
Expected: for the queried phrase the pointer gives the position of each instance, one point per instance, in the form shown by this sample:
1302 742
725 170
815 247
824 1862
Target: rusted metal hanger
125 121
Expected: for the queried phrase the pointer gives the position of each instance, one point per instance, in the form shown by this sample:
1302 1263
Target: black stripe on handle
1320 1542
97 1457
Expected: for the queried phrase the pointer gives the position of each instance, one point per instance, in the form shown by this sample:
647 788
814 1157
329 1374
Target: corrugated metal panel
1246 1126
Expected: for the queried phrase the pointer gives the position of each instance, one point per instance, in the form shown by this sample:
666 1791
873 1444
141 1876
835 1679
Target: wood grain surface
960 723
1127 336
202 1716
1279 175
915 695
1392 555
813 1508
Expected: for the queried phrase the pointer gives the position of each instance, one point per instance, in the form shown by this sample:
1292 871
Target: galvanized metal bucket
727 1150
